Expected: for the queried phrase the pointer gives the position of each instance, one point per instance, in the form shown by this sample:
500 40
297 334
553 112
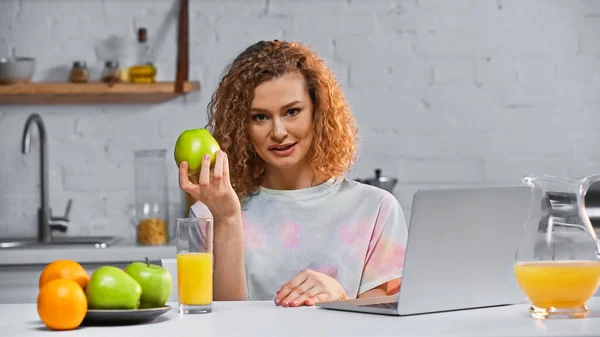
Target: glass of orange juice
194 239
557 264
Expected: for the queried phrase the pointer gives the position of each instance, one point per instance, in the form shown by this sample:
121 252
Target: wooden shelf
92 93
48 93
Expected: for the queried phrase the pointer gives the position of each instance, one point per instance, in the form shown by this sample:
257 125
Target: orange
64 269
61 304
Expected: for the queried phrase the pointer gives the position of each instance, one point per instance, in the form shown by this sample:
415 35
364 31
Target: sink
92 241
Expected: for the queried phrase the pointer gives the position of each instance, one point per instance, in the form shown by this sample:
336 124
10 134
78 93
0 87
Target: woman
288 225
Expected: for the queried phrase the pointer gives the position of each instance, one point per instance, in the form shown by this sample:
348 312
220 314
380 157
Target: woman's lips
283 150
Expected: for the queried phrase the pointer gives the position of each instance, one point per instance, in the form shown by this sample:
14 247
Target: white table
265 319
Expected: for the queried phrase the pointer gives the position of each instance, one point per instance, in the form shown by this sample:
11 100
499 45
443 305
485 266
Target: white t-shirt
355 233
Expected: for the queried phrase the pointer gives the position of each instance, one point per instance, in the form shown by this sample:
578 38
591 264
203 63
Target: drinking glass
195 265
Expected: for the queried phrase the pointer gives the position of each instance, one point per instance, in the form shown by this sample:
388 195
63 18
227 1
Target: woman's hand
308 288
215 192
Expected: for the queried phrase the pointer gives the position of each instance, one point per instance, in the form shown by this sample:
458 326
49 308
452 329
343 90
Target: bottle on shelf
144 70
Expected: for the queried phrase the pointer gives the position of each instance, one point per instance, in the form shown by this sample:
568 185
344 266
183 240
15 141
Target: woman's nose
279 131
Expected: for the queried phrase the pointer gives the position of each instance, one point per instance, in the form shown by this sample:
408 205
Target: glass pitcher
557 264
151 208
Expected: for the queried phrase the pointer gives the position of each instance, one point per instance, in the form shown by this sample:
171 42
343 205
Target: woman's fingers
225 166
310 293
301 300
300 294
184 181
289 299
209 182
309 288
296 296
313 291
308 297
204 179
287 288
218 171
309 302
322 297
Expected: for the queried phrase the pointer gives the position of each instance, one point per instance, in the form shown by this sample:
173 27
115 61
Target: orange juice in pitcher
558 284
557 264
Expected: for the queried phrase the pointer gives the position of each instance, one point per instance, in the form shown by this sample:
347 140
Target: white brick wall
446 93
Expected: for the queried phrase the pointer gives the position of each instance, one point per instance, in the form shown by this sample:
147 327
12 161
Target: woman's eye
259 117
293 112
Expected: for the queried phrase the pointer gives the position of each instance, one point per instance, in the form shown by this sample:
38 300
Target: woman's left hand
309 287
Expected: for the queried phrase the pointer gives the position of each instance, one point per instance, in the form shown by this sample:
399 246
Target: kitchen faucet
46 222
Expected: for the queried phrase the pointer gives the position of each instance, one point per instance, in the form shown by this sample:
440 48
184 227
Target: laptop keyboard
392 305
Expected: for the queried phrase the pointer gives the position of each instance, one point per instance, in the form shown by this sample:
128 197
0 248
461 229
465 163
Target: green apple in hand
192 145
112 288
155 280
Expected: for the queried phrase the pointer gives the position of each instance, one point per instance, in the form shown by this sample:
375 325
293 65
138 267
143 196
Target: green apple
192 145
112 288
155 280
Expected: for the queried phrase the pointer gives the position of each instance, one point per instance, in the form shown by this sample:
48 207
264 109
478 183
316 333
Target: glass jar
111 72
79 72
151 207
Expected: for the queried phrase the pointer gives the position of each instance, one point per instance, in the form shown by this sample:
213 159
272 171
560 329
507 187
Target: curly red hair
334 146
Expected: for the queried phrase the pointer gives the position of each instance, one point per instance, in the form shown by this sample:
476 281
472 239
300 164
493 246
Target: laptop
460 253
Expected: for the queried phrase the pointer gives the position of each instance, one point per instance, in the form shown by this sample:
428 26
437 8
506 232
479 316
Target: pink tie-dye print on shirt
290 235
379 262
254 236
352 232
353 236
